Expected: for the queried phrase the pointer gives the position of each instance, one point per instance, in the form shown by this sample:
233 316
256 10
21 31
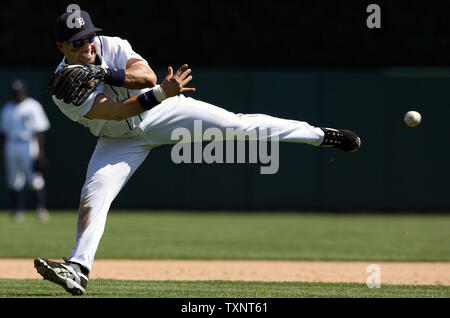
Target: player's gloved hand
174 84
74 83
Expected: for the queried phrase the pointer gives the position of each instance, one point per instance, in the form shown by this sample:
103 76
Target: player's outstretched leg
182 112
71 276
342 139
185 113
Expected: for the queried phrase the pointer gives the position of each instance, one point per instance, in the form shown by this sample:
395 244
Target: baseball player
22 125
104 85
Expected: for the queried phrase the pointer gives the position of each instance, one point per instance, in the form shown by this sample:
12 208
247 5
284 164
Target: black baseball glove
74 83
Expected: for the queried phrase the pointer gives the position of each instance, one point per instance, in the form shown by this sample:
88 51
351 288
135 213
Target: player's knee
16 183
100 188
37 182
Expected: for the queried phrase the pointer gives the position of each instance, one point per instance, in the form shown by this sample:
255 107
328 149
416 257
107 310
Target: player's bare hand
175 84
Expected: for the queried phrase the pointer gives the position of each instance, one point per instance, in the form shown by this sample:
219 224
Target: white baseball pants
116 159
19 158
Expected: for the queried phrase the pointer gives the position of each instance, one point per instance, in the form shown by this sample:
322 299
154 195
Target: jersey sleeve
76 113
119 51
40 119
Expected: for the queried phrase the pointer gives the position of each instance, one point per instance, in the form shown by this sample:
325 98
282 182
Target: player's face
19 96
82 51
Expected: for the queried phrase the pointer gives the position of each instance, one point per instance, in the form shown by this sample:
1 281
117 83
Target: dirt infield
298 271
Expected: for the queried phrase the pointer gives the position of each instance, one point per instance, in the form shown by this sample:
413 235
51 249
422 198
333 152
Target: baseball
412 118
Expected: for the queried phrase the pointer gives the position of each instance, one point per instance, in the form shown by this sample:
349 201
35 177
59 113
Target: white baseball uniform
123 145
20 122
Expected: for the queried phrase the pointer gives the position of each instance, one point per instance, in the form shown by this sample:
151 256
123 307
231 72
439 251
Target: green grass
283 236
218 289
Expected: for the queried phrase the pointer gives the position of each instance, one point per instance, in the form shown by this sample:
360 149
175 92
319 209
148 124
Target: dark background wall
248 33
308 60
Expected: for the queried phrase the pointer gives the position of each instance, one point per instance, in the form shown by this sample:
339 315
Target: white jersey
21 121
114 52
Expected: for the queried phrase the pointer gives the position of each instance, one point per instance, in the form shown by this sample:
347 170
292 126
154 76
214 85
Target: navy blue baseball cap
18 85
70 27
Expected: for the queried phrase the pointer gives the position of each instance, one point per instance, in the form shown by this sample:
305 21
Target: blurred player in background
22 125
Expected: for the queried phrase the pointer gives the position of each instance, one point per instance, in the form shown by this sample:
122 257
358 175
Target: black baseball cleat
69 275
342 139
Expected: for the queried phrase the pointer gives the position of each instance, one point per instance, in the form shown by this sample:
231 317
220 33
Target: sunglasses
80 43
